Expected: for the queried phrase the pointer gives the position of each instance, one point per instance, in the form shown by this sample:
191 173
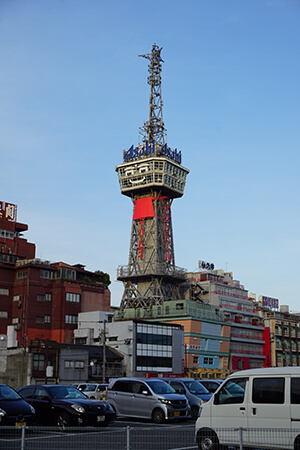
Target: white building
149 348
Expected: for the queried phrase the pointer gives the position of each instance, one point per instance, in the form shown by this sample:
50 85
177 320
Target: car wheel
297 443
207 440
195 412
158 416
63 419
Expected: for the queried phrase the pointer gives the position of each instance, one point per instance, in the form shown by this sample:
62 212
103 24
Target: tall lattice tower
152 176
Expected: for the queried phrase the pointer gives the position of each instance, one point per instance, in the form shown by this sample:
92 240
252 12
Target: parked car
211 385
94 390
66 406
148 399
80 386
265 400
13 408
193 390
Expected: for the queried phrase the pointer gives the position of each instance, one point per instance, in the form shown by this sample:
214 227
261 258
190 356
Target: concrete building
206 334
282 328
149 348
219 288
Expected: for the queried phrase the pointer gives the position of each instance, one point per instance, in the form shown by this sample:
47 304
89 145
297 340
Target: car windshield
90 387
196 388
63 392
160 387
7 393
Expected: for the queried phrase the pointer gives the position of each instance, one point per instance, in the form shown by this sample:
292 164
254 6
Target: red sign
240 363
141 239
8 211
167 218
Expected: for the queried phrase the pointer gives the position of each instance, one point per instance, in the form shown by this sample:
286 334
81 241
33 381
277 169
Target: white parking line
184 448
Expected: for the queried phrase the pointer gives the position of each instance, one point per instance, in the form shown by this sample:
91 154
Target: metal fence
166 437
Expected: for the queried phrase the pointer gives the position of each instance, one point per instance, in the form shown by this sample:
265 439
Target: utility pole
104 351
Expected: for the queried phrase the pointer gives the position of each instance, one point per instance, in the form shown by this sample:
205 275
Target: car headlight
166 402
78 408
32 409
2 412
108 406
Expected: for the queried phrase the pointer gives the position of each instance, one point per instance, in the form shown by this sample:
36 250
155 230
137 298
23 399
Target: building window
22 274
17 298
3 314
207 360
69 364
4 292
39 319
74 298
179 306
47 319
66 273
195 359
153 339
71 319
79 364
43 298
46 274
38 362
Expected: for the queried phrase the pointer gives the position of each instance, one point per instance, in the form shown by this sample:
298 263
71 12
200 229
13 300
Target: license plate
100 418
176 413
20 424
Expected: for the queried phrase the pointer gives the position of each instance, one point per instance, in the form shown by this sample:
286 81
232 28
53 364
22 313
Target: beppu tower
152 176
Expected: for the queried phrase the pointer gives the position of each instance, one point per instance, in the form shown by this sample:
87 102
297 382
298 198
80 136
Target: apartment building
220 289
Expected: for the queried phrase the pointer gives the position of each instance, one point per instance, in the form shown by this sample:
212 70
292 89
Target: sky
74 92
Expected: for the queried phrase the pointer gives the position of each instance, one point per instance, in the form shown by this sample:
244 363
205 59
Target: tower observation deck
152 176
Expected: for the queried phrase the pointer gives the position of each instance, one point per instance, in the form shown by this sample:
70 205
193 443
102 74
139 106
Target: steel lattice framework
152 176
154 128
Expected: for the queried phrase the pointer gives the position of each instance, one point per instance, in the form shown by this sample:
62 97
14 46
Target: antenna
154 128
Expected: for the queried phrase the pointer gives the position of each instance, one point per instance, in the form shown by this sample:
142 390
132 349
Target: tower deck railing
157 269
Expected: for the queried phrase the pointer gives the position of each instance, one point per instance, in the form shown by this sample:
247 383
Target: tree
105 276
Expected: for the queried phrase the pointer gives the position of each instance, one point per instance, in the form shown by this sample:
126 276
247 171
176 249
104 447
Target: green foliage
106 277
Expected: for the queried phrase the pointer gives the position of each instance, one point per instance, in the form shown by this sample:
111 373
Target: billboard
8 211
269 302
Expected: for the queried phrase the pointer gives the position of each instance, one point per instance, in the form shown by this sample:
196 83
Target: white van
262 404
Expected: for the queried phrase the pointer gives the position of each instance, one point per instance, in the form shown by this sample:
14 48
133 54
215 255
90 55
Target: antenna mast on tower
154 128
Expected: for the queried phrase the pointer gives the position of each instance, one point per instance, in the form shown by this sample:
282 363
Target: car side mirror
216 398
145 392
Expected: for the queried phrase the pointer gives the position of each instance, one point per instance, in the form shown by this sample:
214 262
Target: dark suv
66 406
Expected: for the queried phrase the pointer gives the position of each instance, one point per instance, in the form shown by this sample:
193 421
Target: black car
13 408
66 406
211 385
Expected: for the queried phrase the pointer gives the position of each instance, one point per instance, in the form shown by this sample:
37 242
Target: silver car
147 399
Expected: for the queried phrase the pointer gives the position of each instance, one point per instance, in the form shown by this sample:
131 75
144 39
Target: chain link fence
165 437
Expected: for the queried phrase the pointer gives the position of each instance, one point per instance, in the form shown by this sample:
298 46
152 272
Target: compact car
146 399
94 390
196 394
66 406
13 408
